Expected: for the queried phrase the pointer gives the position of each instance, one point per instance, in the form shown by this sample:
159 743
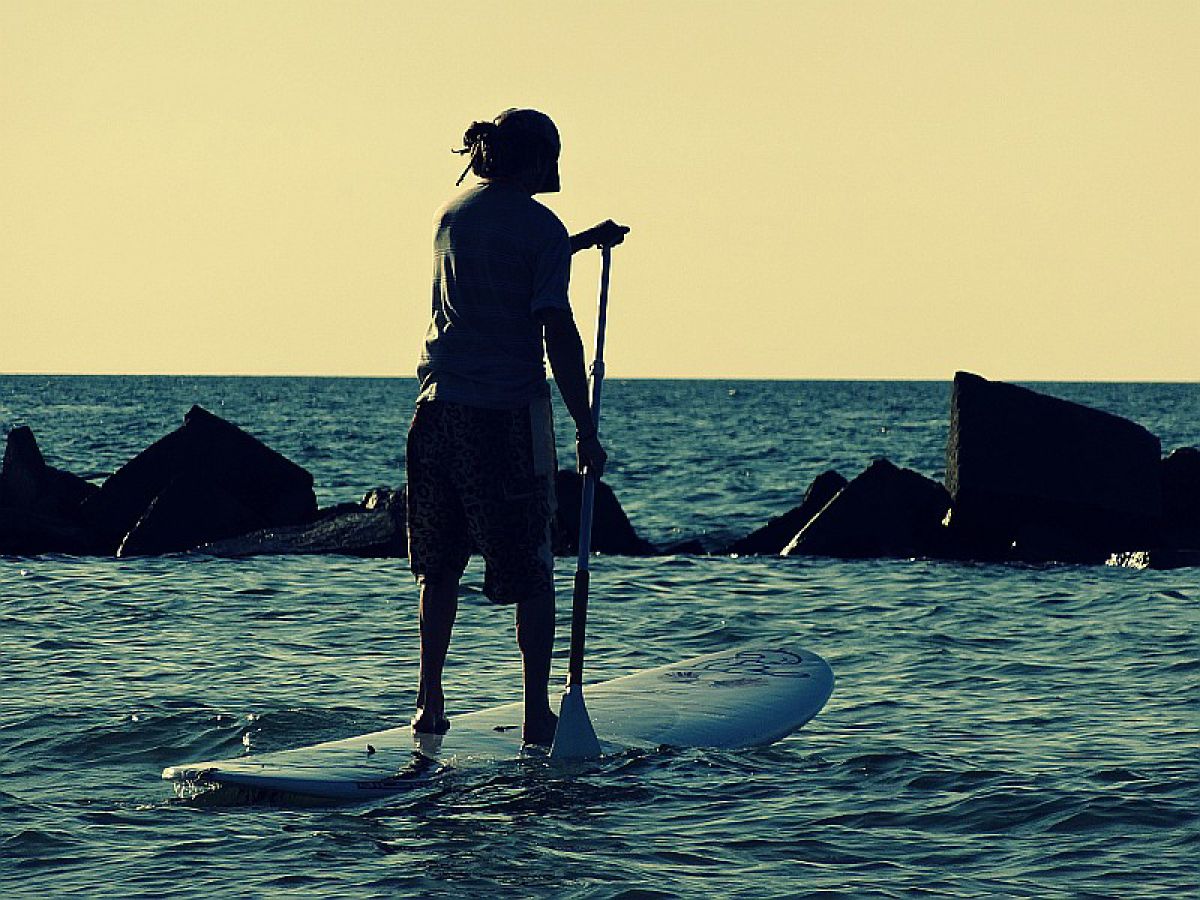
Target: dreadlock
495 151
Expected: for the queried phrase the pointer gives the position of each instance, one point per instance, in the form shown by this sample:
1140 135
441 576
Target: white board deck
741 697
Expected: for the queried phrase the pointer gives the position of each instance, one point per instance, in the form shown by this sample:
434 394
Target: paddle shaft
579 600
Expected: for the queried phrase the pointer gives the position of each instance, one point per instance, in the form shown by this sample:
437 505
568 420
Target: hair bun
479 142
479 133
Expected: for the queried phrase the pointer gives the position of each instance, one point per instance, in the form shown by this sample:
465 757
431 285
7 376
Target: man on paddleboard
481 458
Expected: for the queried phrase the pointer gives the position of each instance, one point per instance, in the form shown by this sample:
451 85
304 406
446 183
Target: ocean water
995 730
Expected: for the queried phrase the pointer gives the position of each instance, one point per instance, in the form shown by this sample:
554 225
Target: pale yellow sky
844 190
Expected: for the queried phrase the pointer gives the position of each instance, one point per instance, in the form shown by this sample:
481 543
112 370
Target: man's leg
509 505
439 606
438 550
535 637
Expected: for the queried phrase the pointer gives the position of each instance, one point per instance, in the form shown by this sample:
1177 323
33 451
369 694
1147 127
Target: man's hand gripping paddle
575 738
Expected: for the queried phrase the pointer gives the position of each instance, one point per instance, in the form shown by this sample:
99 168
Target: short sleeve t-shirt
500 257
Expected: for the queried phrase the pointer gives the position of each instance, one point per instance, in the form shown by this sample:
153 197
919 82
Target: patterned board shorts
482 480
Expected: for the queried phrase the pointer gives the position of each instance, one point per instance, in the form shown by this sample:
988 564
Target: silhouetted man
481 456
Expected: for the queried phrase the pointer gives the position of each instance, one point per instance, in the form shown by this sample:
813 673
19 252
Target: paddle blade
574 738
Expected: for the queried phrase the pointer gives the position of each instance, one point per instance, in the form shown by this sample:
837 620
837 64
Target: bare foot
428 722
540 730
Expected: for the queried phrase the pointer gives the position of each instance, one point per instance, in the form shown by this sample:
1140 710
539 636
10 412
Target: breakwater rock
210 487
39 504
1039 477
773 537
1181 498
204 481
1029 478
612 532
373 527
885 511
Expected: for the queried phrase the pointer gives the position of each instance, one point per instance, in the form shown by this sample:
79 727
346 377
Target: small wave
1184 666
40 847
1116 776
1175 595
997 810
259 591
39 839
1121 814
871 764
60 644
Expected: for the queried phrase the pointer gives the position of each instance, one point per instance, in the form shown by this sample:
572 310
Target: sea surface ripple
995 730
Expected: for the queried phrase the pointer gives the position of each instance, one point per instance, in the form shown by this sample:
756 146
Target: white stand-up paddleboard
735 698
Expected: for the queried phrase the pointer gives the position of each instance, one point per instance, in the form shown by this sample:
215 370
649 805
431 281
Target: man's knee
438 587
535 609
535 624
537 601
434 580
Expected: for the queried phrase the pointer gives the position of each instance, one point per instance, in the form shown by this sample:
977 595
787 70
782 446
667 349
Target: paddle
575 738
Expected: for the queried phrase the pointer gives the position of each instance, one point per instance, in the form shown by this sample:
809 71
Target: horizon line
613 377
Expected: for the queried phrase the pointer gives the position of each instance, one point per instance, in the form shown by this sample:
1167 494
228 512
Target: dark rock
1047 542
386 499
687 547
332 512
206 449
778 533
190 511
27 483
1181 497
358 532
1022 463
22 472
373 528
25 532
885 511
612 532
1163 558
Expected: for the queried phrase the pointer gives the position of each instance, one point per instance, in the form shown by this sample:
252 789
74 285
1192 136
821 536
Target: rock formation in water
1179 537
27 482
374 527
39 504
612 532
1029 477
1181 498
1040 478
770 539
156 502
210 486
191 509
885 511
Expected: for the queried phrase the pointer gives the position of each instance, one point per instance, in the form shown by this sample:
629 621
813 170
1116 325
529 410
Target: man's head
518 145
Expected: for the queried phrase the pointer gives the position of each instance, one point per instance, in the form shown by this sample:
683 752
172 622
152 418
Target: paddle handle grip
579 596
578 627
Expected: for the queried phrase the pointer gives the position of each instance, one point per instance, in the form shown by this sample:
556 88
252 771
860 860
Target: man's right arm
564 348
607 234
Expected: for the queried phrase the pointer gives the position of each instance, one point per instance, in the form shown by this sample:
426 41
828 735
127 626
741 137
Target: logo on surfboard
779 663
